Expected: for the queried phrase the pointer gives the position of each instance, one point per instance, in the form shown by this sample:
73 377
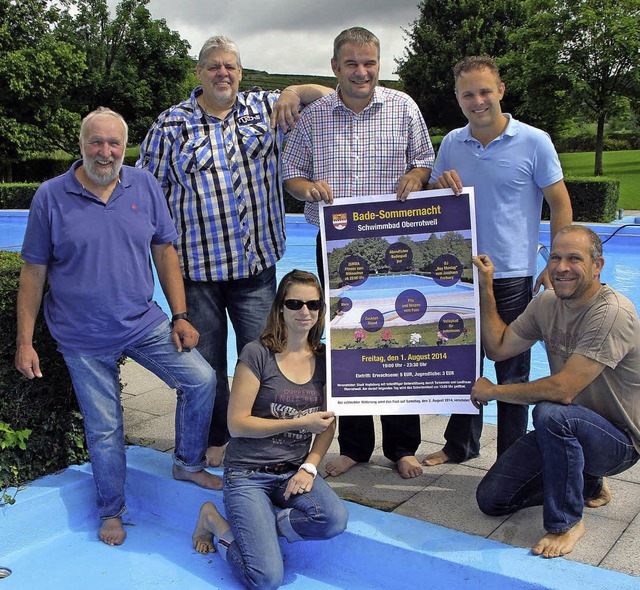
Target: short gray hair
101 112
218 43
357 36
595 243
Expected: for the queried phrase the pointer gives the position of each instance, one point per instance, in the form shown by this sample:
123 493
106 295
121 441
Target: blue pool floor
49 542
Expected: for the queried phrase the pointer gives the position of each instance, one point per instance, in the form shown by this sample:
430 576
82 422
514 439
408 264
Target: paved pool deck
443 495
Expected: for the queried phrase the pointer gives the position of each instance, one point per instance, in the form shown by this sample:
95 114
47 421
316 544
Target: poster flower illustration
359 335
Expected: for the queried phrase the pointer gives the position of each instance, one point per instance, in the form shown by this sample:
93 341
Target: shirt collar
512 128
336 101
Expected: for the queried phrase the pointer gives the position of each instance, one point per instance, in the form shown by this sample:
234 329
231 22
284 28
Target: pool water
621 269
381 287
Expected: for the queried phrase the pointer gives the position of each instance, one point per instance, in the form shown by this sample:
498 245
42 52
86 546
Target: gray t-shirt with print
280 399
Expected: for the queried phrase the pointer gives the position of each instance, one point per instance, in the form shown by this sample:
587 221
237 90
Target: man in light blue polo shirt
512 167
91 231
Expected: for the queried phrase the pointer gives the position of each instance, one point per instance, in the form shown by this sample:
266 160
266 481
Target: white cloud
289 36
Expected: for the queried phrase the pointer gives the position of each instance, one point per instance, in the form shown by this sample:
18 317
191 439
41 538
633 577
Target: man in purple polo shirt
91 231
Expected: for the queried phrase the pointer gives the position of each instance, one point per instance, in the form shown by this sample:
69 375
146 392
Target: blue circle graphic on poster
372 320
344 304
451 325
446 270
354 270
399 256
411 305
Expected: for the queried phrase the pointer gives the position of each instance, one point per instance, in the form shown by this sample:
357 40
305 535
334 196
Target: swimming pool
381 287
621 269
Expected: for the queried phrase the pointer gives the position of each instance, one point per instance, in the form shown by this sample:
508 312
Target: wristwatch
309 468
180 316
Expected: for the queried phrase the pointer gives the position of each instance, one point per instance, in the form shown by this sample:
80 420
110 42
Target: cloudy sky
289 36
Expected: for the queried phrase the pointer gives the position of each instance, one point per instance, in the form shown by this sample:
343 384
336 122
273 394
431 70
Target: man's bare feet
340 465
214 456
210 523
603 498
437 458
112 532
202 478
559 544
408 467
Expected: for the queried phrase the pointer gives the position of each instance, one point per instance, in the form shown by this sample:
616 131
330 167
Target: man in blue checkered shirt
216 156
361 140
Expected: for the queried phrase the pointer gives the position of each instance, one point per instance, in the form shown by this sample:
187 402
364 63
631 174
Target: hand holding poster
402 329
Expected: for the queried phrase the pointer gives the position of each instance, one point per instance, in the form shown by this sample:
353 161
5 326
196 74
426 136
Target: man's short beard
103 180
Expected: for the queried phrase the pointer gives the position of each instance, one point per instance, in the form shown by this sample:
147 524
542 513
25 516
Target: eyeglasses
296 304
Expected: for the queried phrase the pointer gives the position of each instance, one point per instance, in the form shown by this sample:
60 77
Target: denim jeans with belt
251 547
463 431
248 302
560 464
97 385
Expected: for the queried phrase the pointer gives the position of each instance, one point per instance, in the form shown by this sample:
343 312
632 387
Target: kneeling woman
276 405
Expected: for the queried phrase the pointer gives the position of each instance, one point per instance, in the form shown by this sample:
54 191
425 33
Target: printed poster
403 333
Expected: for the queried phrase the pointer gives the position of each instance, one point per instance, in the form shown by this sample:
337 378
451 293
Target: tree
444 33
577 57
135 65
37 75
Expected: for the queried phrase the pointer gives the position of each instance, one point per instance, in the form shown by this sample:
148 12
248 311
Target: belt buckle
277 469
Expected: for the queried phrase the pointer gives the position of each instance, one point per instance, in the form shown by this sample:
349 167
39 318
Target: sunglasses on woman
296 304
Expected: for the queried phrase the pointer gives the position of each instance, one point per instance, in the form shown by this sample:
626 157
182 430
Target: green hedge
47 406
40 169
17 195
585 141
593 199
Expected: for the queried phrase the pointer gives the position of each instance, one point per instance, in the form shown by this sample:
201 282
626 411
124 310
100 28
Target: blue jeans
251 547
248 302
96 382
463 431
571 449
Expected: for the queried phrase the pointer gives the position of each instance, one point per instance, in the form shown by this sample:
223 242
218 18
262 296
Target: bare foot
340 465
112 531
408 467
202 478
437 458
559 544
603 498
214 456
210 523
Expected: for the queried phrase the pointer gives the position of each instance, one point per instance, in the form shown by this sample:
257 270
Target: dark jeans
571 449
356 435
248 302
463 431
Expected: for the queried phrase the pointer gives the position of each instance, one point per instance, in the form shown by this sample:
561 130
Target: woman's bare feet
112 532
559 544
408 467
210 523
202 478
339 466
214 456
603 498
437 458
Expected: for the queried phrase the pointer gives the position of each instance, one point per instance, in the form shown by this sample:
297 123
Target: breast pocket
195 154
256 141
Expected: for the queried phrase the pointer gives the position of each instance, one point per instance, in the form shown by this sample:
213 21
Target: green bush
46 406
17 196
585 141
593 199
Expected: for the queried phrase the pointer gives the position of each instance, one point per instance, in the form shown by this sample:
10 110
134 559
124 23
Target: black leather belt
277 468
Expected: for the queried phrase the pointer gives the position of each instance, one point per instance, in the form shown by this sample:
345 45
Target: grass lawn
624 166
